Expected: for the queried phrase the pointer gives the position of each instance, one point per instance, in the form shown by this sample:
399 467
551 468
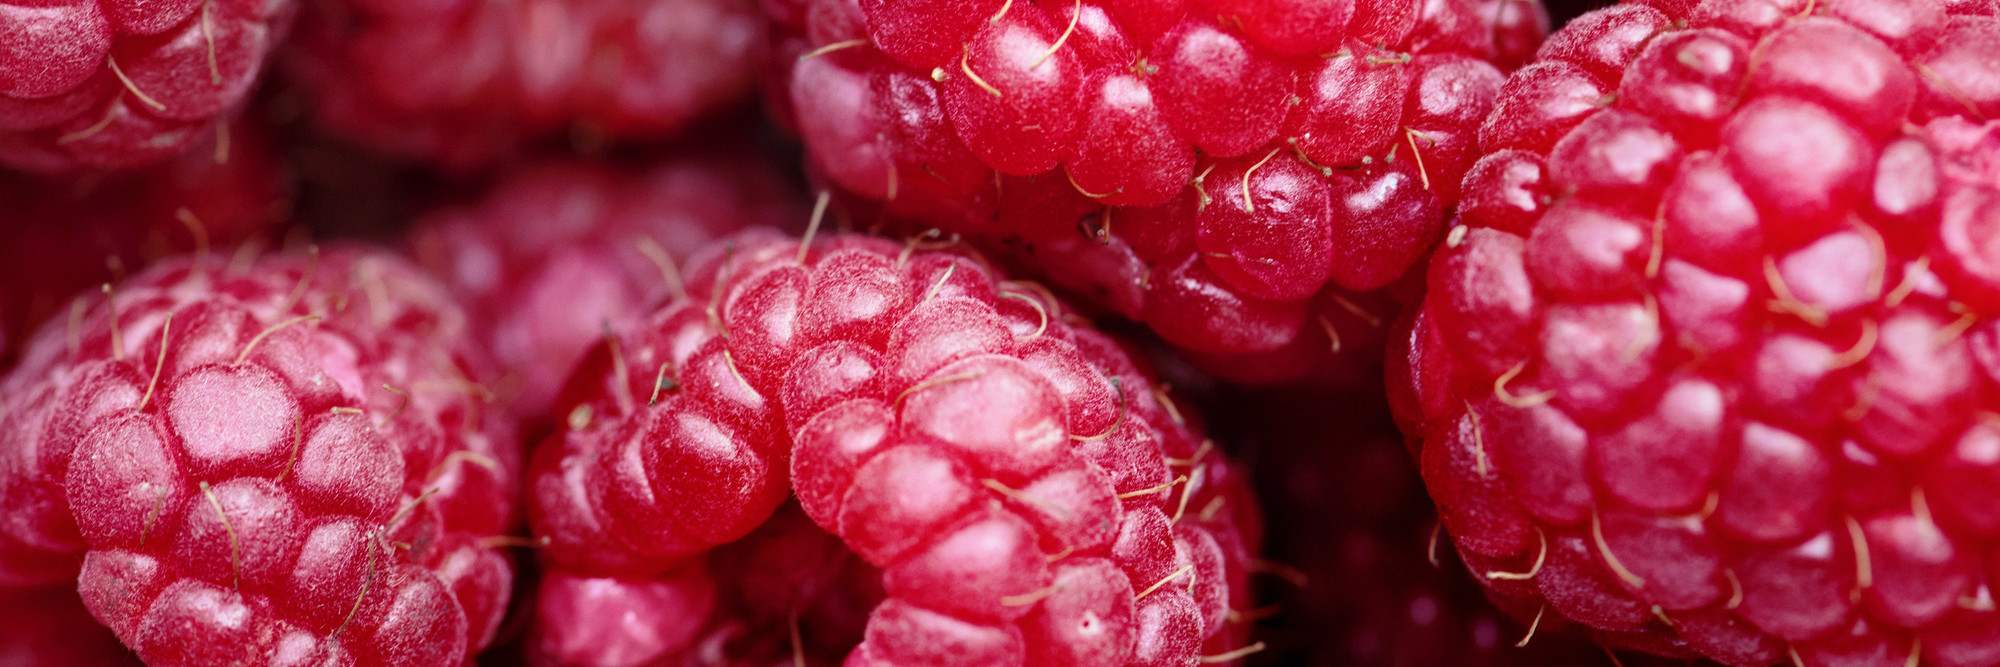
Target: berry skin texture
608 621
1703 368
278 461
1238 175
502 78
1027 493
117 85
553 253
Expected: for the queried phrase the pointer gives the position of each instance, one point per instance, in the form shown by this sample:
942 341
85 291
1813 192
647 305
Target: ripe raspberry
97 83
60 236
499 77
1232 173
49 626
1026 490
1704 368
554 253
273 462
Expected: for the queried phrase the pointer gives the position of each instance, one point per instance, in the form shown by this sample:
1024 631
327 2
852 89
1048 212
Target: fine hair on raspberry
1029 494
1708 363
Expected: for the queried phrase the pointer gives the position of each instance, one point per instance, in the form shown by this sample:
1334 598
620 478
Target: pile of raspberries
1014 333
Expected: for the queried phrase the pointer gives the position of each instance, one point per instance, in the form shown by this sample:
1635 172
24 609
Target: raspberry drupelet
1028 493
551 254
1240 176
283 461
1710 364
500 78
123 83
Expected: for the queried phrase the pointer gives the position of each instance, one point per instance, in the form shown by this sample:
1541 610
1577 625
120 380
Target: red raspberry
498 77
553 253
1704 367
1231 173
49 626
278 461
59 235
102 83
1026 490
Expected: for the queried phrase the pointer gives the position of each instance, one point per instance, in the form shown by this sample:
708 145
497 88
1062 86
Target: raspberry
608 621
49 626
273 462
499 78
1026 491
1234 175
1703 368
125 84
62 236
553 253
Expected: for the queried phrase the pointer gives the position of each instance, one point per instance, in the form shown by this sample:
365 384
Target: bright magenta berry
1703 368
277 461
1304 148
1028 493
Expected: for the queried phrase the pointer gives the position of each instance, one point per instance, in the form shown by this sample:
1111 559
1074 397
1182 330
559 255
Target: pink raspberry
582 620
1234 174
124 83
63 235
278 461
1704 369
552 254
1030 495
497 78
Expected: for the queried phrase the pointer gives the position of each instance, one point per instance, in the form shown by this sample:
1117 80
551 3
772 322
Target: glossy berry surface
497 78
281 460
1233 174
550 255
1707 366
119 84
1028 493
